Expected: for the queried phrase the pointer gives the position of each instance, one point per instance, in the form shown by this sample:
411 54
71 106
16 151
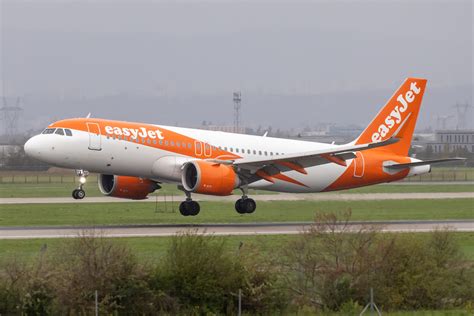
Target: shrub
205 277
334 263
93 262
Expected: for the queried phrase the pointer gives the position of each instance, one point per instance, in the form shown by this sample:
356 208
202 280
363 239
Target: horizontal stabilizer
422 163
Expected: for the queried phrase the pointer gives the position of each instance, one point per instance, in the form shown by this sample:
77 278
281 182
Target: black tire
74 194
183 208
239 206
249 206
194 207
80 194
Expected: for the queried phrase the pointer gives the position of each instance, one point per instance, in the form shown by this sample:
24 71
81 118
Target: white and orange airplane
133 159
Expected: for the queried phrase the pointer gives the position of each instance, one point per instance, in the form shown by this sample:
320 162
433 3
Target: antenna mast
237 105
10 116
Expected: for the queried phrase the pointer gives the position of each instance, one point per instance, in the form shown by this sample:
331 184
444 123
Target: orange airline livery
133 159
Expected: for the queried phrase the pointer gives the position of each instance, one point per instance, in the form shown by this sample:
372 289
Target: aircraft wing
265 168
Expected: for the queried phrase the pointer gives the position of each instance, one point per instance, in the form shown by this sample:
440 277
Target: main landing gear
79 193
189 207
245 205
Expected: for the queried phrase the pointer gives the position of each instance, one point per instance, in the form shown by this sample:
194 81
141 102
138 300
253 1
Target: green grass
446 174
151 249
410 188
428 313
18 190
223 212
58 189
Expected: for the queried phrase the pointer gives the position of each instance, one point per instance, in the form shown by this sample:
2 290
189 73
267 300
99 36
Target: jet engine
209 178
126 187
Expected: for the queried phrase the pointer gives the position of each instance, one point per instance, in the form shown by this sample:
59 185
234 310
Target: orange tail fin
397 118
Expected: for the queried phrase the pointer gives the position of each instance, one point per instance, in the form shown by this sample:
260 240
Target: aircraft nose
32 147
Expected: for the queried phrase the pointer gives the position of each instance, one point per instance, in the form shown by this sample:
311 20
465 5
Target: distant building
447 141
225 128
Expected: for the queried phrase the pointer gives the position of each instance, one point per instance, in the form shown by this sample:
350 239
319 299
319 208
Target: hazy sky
96 48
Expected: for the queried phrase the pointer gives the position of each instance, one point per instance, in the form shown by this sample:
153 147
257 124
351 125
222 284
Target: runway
333 196
161 230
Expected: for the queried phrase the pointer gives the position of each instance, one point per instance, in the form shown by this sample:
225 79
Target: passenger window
178 144
260 152
248 151
154 142
231 149
265 153
254 152
59 131
166 143
271 153
225 148
161 142
68 132
236 150
190 146
183 144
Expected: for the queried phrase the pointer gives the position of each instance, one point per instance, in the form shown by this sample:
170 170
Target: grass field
150 249
223 212
8 190
455 173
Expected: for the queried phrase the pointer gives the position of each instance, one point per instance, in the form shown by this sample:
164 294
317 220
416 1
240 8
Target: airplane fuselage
157 152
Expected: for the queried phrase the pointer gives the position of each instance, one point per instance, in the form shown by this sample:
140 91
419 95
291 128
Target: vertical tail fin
397 118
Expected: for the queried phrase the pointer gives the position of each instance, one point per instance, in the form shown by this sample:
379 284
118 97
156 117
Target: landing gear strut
189 207
245 205
79 193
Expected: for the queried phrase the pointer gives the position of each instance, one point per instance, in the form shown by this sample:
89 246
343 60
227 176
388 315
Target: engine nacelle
126 187
209 178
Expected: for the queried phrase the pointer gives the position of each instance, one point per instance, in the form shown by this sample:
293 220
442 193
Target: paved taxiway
159 230
258 197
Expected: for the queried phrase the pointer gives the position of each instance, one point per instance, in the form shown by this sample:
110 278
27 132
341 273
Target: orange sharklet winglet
335 159
293 165
262 174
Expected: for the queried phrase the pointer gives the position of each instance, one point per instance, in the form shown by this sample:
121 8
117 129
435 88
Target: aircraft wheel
187 208
245 206
183 208
195 208
78 194
238 206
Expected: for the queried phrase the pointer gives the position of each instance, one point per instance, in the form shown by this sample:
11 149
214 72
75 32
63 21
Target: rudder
397 118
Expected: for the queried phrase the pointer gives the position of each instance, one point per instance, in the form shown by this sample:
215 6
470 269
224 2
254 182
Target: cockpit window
59 131
49 131
68 132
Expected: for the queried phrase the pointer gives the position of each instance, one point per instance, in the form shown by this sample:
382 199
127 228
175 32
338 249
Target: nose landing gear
79 193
